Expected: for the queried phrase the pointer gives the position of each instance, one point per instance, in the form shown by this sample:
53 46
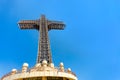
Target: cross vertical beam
43 26
44 46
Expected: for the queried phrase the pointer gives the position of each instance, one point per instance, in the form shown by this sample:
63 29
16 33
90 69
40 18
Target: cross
43 26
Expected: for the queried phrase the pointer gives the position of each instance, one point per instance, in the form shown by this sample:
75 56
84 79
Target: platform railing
29 70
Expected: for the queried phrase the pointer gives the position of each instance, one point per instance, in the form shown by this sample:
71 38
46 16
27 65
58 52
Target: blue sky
89 45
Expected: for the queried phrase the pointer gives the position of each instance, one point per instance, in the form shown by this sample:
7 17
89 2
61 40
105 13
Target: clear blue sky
89 45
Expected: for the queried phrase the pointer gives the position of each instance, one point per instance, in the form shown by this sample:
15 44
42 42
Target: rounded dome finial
14 70
61 64
25 64
44 62
69 69
52 65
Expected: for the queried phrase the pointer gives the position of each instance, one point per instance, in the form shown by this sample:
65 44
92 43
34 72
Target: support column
44 78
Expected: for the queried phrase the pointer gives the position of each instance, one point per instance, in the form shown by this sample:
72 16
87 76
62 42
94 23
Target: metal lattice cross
43 25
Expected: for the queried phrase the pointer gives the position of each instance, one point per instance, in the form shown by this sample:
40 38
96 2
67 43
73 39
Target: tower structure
43 26
44 69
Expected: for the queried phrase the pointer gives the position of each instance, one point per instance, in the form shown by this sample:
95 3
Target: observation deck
41 71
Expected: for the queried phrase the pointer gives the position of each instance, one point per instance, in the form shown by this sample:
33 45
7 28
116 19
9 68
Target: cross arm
56 25
29 24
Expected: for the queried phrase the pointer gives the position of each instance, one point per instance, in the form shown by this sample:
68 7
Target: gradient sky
89 45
